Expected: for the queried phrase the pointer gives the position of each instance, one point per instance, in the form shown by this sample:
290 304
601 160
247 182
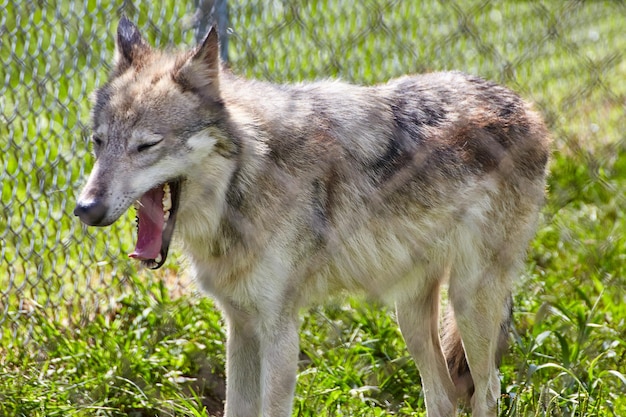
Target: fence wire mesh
565 56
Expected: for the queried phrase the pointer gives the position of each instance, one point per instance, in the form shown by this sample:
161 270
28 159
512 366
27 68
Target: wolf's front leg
243 366
279 366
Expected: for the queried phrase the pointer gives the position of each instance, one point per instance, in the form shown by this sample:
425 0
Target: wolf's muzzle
91 213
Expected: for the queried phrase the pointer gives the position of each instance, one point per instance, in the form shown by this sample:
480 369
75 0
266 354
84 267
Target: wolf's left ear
130 45
200 72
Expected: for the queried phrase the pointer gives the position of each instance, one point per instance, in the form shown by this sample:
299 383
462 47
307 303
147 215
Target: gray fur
290 193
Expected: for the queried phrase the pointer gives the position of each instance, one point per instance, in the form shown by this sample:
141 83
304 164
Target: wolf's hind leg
479 310
455 353
418 318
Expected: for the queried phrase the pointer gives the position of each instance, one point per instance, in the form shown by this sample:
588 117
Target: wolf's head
152 121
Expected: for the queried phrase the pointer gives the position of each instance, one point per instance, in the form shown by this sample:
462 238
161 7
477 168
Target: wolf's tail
455 354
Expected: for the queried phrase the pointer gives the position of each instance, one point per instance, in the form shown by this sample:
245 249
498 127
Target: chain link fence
566 56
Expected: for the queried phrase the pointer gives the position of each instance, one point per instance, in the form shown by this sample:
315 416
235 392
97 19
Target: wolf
284 195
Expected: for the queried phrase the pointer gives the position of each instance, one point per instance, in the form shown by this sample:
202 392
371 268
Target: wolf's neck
273 109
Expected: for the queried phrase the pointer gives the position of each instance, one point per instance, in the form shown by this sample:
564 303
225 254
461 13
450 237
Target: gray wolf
281 195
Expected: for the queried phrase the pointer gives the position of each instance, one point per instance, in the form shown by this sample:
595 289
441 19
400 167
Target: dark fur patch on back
417 106
396 157
414 112
481 149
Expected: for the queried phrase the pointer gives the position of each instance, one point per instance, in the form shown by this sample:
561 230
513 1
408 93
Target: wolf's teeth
136 205
167 198
166 216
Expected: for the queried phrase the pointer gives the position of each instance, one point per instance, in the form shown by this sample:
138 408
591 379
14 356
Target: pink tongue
150 225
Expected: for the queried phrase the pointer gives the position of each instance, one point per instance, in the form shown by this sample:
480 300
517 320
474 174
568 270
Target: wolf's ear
130 46
200 72
208 52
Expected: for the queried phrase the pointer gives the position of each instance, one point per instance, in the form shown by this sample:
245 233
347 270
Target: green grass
84 333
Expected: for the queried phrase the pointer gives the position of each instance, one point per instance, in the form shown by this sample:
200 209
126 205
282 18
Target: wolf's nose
91 213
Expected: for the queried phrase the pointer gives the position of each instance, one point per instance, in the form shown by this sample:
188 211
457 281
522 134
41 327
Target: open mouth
156 216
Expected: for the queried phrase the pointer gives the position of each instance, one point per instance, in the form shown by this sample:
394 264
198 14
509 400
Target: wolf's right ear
200 72
130 45
209 52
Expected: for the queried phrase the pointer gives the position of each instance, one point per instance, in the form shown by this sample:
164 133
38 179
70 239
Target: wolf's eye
96 140
148 145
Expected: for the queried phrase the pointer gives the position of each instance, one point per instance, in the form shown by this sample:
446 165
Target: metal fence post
212 13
